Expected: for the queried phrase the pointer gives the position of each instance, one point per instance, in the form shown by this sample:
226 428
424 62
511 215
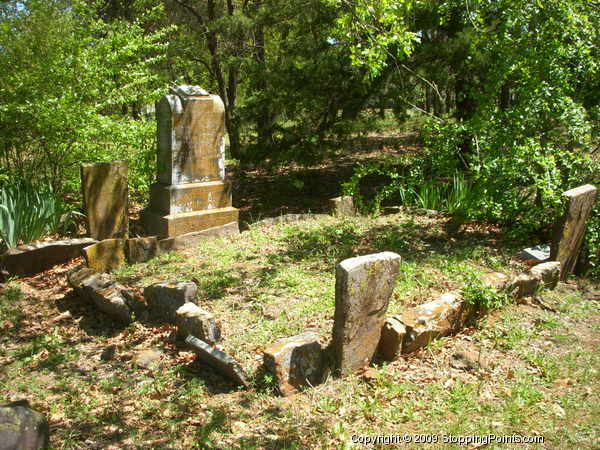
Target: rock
548 273
362 292
193 320
218 360
165 298
526 284
31 259
192 239
295 362
148 358
101 290
105 196
496 280
286 218
392 335
140 250
186 90
466 361
426 212
105 255
342 206
108 352
441 317
569 231
23 428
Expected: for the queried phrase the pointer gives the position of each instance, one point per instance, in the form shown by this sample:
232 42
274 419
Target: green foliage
69 81
29 212
481 296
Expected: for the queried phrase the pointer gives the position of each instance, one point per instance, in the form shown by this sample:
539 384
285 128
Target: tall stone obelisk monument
191 193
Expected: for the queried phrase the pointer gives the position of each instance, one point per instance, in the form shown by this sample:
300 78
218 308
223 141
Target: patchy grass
540 371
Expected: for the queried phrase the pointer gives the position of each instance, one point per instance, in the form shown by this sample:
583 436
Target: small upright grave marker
570 230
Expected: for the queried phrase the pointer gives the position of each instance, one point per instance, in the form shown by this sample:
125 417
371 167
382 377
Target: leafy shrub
481 296
29 212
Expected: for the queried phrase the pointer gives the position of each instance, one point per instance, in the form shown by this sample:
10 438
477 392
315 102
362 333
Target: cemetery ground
530 369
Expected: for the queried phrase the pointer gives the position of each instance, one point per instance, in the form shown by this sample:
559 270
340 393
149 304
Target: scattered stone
23 428
135 302
431 320
388 210
362 292
392 335
165 298
105 255
528 283
426 212
342 206
496 280
570 229
295 362
218 360
148 358
108 353
192 239
191 193
466 361
140 250
539 253
105 196
101 290
31 259
191 319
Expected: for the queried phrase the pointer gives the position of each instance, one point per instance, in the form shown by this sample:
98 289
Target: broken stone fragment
434 319
342 206
392 336
164 299
191 319
295 362
101 290
218 360
105 255
496 280
141 249
526 284
362 292
23 428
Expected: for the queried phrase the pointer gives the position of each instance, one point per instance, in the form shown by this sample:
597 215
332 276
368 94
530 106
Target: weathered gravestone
105 196
362 292
570 230
23 428
191 193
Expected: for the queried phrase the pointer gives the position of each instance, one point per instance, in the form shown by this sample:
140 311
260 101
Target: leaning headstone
218 360
570 230
164 299
105 197
23 428
342 206
295 362
362 292
105 255
191 319
191 193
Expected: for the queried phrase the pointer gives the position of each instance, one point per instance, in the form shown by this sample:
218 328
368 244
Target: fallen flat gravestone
363 288
218 360
539 253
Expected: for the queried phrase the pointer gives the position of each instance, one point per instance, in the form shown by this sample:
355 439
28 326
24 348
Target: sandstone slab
141 249
182 223
193 320
392 336
105 255
192 239
527 283
164 299
570 230
105 196
434 319
342 206
35 258
362 292
295 362
23 428
218 360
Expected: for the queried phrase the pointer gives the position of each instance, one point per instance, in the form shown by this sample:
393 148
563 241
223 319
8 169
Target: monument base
182 198
182 223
